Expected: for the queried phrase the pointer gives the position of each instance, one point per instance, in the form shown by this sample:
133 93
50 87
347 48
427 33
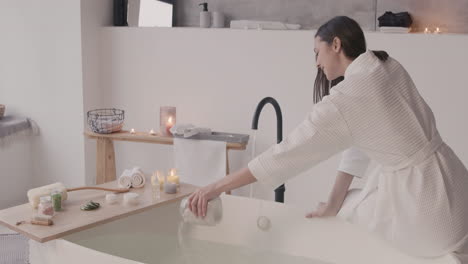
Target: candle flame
172 172
169 120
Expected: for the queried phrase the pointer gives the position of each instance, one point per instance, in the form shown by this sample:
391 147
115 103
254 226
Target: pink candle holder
167 119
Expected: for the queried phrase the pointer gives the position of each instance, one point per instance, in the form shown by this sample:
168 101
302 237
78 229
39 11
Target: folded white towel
200 162
138 178
255 24
189 130
395 29
125 180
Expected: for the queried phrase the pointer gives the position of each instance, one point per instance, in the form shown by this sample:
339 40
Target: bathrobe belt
418 157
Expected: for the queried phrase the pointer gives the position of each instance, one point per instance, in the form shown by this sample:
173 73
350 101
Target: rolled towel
138 178
125 180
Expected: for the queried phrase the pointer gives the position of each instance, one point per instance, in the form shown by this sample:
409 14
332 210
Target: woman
418 197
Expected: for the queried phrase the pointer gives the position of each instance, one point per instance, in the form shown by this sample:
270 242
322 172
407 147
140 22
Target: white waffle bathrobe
419 197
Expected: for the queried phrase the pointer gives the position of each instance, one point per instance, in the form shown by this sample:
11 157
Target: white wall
40 71
94 15
216 78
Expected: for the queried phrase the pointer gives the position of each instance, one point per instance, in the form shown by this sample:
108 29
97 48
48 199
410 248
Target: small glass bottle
45 207
156 187
57 200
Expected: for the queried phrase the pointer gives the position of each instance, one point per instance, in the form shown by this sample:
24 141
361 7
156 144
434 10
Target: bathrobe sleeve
354 162
322 134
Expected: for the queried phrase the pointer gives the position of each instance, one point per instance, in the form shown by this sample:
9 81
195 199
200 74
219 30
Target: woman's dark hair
353 44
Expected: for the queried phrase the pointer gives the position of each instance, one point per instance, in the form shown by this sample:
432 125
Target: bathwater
159 248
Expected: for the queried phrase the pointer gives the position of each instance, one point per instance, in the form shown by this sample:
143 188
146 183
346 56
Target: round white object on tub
263 223
131 198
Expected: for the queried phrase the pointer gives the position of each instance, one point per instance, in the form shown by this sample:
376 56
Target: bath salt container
56 197
45 207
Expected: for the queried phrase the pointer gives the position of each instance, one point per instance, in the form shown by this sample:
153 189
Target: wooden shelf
147 138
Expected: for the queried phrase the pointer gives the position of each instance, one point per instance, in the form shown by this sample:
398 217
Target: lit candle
167 119
169 125
152 132
437 31
132 131
426 30
173 177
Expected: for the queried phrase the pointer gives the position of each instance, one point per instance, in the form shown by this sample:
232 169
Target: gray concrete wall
448 15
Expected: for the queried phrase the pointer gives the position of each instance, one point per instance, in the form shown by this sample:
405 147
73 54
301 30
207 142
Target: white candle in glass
173 177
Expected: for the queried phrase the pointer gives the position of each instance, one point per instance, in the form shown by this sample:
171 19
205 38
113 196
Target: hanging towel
199 162
138 178
125 180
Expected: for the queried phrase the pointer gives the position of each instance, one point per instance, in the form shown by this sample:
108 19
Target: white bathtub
158 236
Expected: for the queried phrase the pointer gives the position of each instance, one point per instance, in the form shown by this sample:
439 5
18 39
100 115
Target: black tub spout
279 192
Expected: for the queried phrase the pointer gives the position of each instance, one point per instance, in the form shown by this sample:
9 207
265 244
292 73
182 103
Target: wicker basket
2 111
106 121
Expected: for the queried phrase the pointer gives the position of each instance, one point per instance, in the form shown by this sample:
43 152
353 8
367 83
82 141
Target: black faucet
279 192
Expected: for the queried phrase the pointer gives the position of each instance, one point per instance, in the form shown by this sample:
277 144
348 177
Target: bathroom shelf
105 156
72 219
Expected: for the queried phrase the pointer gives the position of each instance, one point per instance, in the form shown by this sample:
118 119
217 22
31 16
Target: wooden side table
105 156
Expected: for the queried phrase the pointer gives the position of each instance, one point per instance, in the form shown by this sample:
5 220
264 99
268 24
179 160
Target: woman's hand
198 201
324 210
336 198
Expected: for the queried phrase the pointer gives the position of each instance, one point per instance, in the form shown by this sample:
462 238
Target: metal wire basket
106 120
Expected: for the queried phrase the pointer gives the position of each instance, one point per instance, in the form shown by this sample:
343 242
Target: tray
220 136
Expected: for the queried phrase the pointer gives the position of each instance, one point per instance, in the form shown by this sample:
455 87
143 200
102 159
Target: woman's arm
322 134
336 198
198 200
